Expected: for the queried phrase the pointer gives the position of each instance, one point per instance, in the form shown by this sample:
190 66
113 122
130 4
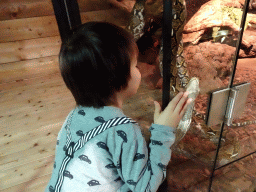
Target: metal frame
67 15
167 50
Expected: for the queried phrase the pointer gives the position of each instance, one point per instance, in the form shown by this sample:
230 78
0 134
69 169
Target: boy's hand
174 112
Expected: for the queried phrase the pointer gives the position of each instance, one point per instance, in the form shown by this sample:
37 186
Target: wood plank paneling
15 9
28 28
115 16
11 10
94 5
33 68
29 49
46 26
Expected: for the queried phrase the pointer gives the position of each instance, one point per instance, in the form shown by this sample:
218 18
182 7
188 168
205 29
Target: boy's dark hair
95 62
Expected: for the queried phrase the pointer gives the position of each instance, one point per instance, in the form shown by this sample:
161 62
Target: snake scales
142 16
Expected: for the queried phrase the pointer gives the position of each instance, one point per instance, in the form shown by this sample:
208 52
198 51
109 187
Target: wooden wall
34 100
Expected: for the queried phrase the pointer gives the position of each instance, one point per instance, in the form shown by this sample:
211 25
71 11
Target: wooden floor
32 113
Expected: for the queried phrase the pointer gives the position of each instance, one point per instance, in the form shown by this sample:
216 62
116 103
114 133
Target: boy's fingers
181 102
157 109
172 104
182 112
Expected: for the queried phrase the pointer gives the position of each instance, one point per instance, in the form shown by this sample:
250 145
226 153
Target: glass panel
239 139
238 176
243 137
210 38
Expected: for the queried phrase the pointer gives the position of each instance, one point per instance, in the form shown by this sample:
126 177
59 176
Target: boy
99 66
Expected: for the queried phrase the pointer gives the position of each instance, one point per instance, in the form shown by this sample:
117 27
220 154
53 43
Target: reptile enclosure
35 101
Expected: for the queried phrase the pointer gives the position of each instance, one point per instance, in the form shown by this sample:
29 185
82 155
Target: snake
180 78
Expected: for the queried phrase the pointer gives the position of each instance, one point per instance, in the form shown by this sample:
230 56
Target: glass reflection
238 176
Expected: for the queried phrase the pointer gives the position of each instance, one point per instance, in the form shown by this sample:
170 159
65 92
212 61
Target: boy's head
95 62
